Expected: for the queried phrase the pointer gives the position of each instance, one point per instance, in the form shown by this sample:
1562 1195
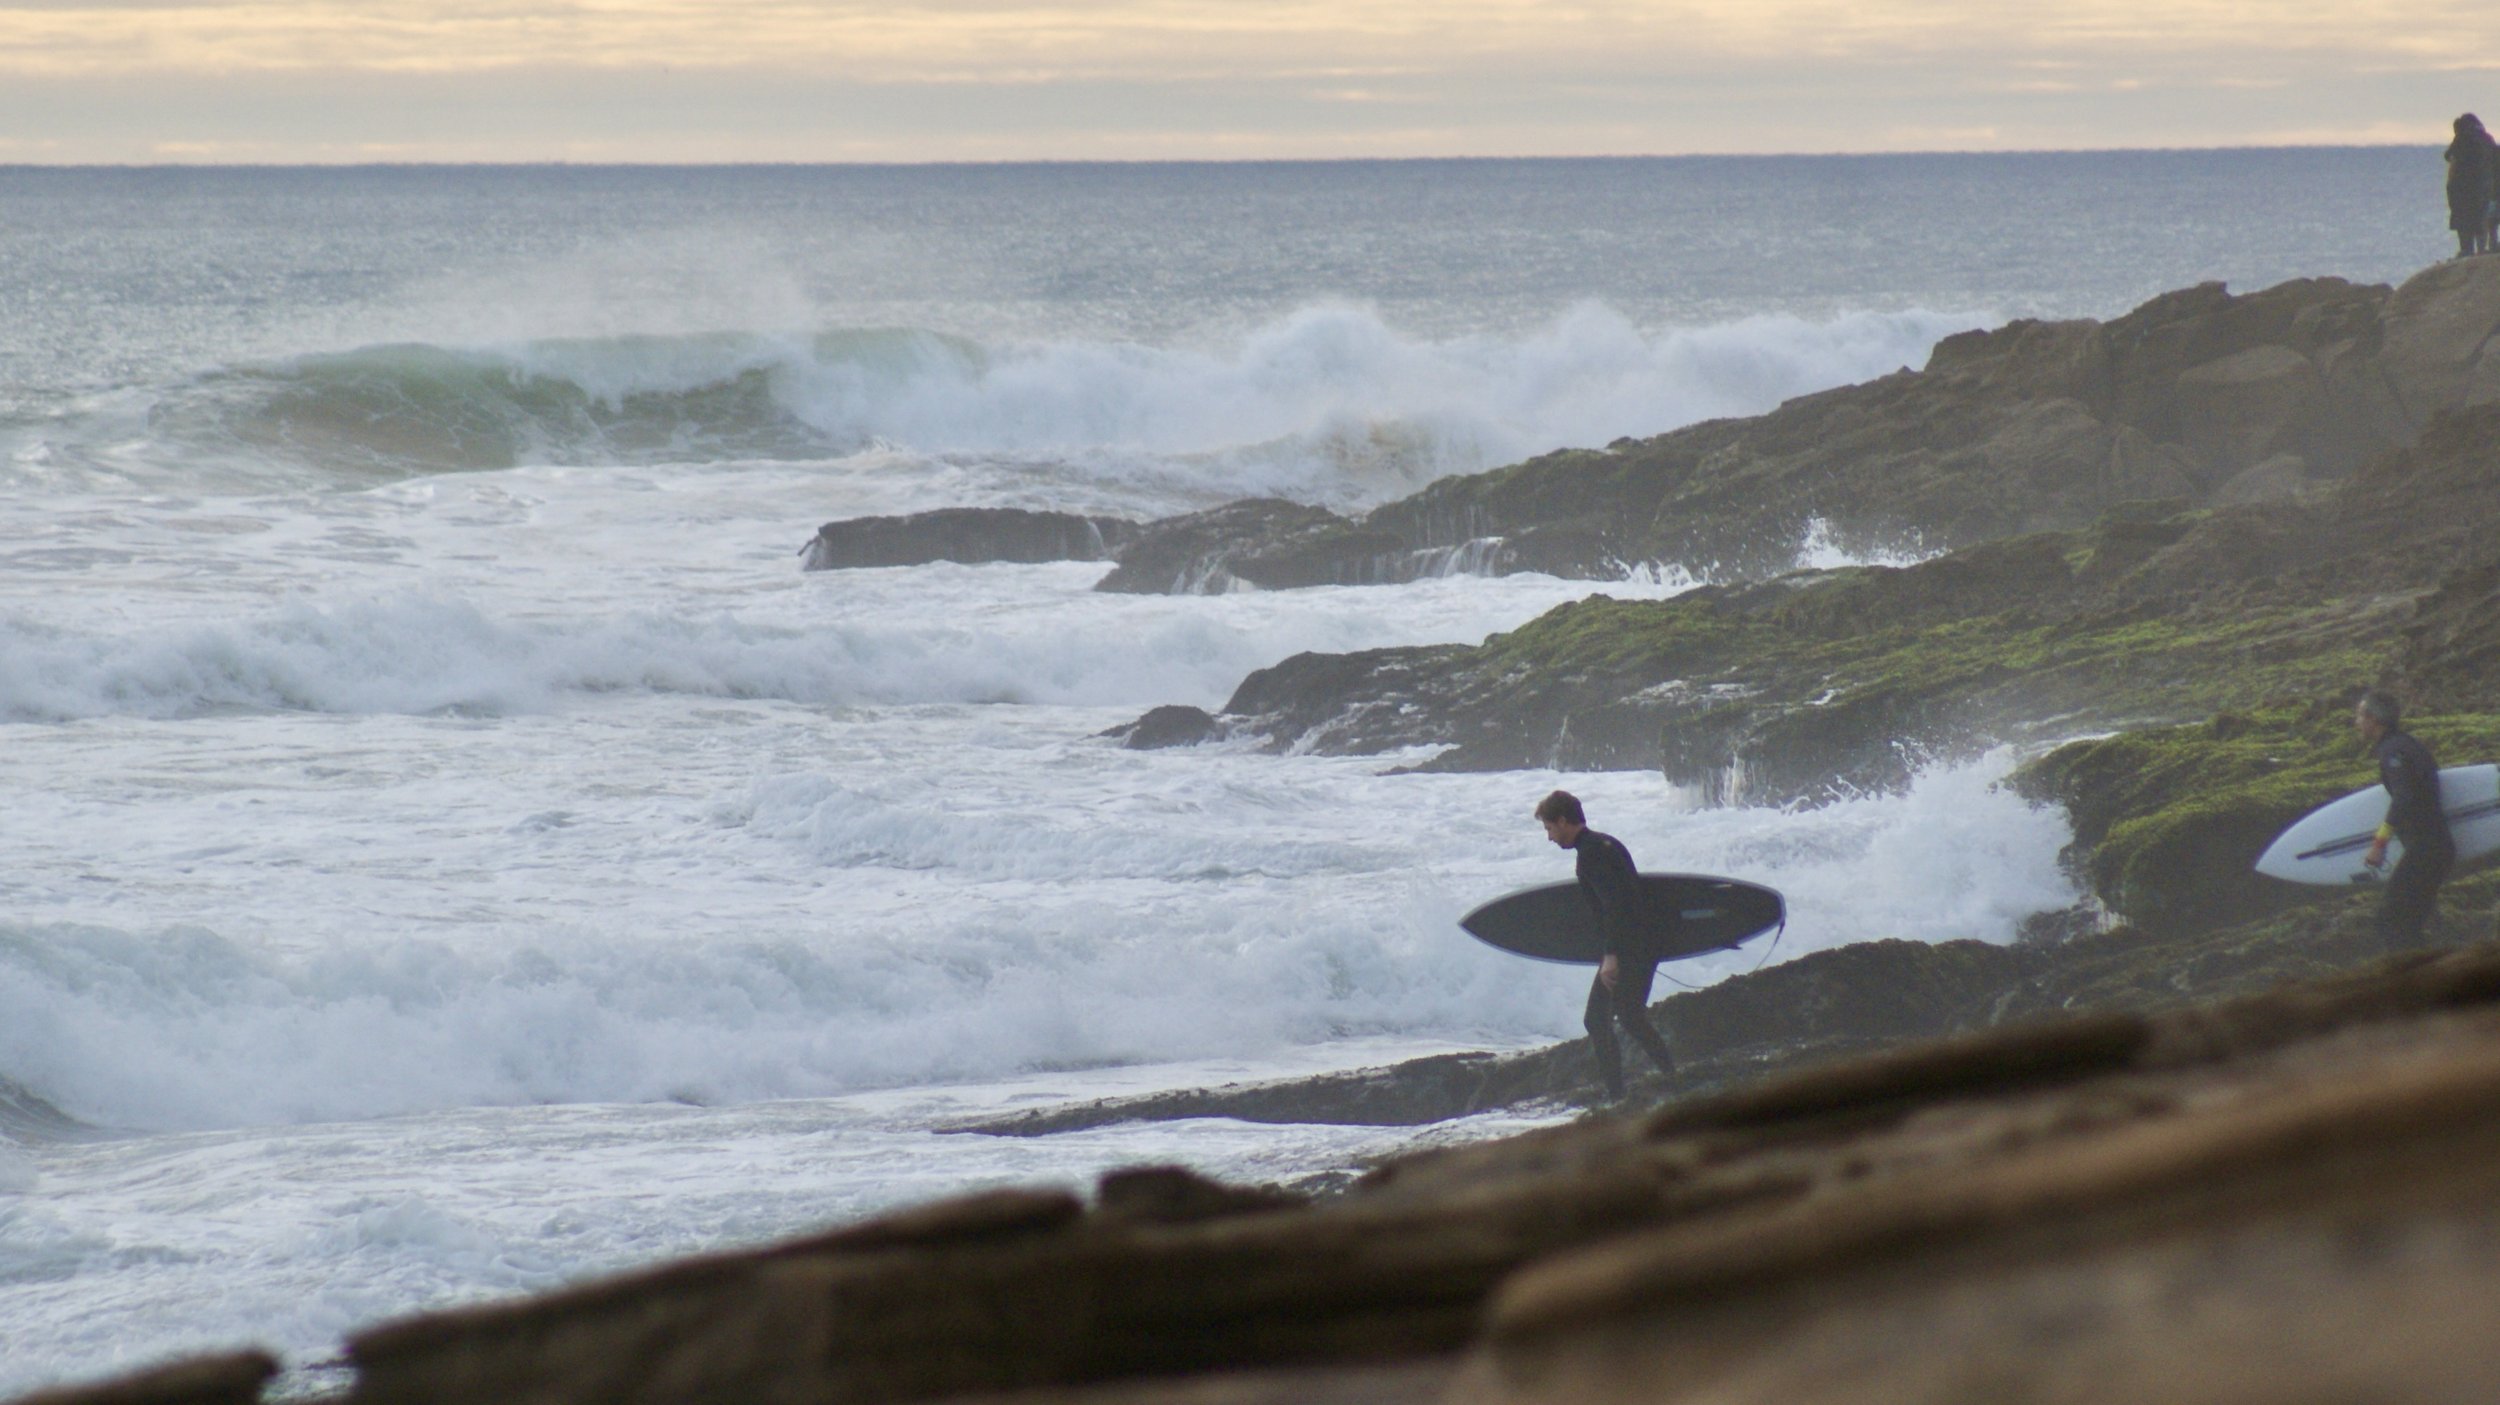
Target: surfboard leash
1777 933
1775 941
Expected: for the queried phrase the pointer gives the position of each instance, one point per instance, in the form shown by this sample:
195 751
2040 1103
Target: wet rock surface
1262 543
970 535
2198 395
1174 724
2031 427
1868 996
1818 684
2212 502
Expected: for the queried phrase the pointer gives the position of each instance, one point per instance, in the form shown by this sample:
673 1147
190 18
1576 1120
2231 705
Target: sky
287 81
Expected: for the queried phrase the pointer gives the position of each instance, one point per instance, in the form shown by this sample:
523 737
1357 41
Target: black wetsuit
2471 182
1613 889
2405 767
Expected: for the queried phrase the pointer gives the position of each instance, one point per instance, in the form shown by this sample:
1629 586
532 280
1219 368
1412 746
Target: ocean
452 850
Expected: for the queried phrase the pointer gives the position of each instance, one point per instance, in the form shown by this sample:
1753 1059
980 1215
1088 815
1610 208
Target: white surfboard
2327 845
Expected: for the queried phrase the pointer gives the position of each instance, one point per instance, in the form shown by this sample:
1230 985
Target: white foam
293 1238
945 634
1331 404
1328 403
1822 550
990 899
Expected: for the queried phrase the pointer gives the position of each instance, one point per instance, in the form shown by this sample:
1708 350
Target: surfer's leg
2405 908
2398 924
1599 1019
1631 1002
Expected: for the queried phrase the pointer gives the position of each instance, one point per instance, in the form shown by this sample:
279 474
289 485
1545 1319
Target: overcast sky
980 80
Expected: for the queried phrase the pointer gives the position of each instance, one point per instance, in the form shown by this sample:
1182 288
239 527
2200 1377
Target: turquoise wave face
386 412
1329 403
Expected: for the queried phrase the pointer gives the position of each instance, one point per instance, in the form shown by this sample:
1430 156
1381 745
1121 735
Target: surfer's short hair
2383 708
1561 805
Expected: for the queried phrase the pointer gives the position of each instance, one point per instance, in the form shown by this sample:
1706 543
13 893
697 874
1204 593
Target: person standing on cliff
2411 776
2473 181
1620 994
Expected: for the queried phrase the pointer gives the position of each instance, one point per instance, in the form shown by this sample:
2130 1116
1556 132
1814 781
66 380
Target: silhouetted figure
2491 207
2473 168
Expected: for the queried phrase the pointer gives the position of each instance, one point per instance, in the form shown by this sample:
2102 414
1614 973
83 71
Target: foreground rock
2288 1197
232 1379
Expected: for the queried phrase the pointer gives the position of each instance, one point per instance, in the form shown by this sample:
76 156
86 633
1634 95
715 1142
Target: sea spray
950 925
1327 403
943 634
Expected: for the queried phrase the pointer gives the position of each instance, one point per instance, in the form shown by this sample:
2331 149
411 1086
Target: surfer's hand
1606 970
2377 854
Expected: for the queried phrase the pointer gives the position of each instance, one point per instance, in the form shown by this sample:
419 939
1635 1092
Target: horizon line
1006 162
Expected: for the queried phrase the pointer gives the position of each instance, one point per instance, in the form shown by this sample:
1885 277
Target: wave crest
1328 403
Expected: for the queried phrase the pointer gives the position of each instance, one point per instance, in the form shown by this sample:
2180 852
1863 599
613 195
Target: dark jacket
2473 177
2405 767
1612 886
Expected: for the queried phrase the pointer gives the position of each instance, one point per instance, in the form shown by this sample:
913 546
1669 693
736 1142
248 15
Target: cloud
1075 40
986 79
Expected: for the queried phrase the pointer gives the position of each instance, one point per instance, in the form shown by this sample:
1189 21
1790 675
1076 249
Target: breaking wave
421 653
1328 403
969 946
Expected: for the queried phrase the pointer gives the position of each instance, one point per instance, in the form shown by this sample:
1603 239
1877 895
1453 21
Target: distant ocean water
452 849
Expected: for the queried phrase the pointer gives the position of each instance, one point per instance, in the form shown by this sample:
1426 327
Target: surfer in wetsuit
2473 180
2414 815
1620 994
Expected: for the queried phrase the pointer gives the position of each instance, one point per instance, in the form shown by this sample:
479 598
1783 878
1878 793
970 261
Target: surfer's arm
2378 846
1615 891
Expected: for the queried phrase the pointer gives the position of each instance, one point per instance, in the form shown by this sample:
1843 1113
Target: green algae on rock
1825 683
1833 682
2172 818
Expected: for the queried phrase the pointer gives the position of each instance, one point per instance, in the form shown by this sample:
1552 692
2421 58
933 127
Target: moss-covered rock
2169 820
2449 658
1836 682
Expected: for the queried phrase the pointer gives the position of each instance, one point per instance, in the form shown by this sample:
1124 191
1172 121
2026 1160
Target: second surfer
2414 815
1620 994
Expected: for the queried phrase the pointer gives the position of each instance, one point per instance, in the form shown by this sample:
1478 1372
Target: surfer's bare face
1563 832
2370 728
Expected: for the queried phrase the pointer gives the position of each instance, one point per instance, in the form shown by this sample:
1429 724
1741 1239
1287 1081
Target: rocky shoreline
2194 1140
2221 1201
2214 502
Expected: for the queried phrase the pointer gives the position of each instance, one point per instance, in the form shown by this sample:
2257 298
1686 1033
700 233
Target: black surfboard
1689 914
